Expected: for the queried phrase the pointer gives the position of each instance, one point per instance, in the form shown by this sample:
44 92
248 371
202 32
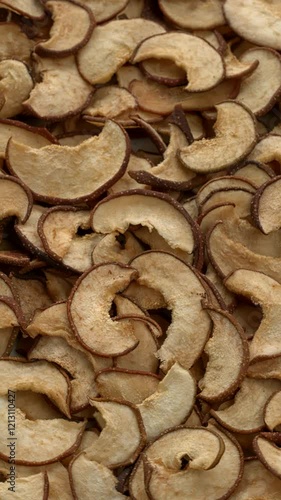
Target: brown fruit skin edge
25 188
273 437
35 130
210 27
256 201
46 486
88 197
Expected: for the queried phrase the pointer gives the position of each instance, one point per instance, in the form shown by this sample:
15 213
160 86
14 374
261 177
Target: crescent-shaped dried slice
52 172
116 247
28 232
37 406
257 483
27 8
183 291
89 480
31 294
245 415
15 86
61 93
266 292
253 92
170 404
39 376
39 441
266 206
201 484
126 182
111 46
193 14
72 27
253 171
89 305
104 10
29 488
236 136
122 437
203 64
16 199
237 68
267 448
267 368
163 71
126 385
109 102
34 137
157 98
14 44
10 319
227 352
222 183
150 209
254 19
267 149
272 412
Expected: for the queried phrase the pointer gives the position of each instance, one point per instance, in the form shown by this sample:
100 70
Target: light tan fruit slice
267 448
227 352
170 404
14 43
235 130
76 363
39 168
257 483
268 368
109 102
28 233
126 385
255 172
72 27
157 98
111 46
237 68
122 437
51 439
266 206
36 406
10 319
192 14
127 182
27 8
46 101
183 299
265 291
16 199
31 295
89 305
90 479
57 284
253 20
104 10
214 278
36 486
202 63
133 9
15 86
163 71
272 412
116 247
267 149
245 415
222 183
239 197
31 136
41 376
150 209
217 482
254 93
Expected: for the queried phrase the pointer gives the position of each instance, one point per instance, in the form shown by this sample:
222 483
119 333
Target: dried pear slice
34 137
104 10
272 412
266 206
14 44
15 86
30 487
16 199
267 448
116 247
193 14
257 483
27 8
109 102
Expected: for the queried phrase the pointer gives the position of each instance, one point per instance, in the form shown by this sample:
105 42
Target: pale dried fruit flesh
193 14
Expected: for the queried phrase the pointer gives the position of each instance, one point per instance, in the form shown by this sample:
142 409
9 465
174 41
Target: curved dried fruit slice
11 73
267 149
14 44
183 291
227 352
31 294
267 368
245 415
272 412
193 14
104 10
253 171
126 182
116 247
217 482
89 305
28 233
133 9
237 68
253 20
49 171
258 97
27 8
150 209
16 199
236 136
127 385
61 93
9 318
109 102
267 448
123 436
39 376
39 441
72 27
171 403
111 46
222 184
89 480
257 483
36 406
202 63
266 292
266 206
34 137
30 487
163 71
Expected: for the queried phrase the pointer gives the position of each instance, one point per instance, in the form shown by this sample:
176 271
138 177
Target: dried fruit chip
31 136
272 412
267 448
27 8
14 44
11 73
16 199
104 10
110 102
265 206
36 486
257 483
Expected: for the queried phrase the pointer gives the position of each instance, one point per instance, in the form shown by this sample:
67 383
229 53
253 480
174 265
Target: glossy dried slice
109 102
227 352
33 486
104 10
72 27
267 448
272 412
116 247
266 206
193 14
51 172
62 91
183 292
15 86
14 44
257 483
16 199
34 137
111 46
235 130
202 63
27 8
